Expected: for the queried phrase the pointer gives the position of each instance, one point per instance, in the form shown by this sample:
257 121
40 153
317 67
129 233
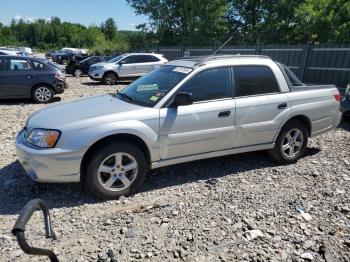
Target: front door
205 126
17 78
127 67
260 106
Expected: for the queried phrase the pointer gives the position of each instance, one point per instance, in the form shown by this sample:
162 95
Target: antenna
217 50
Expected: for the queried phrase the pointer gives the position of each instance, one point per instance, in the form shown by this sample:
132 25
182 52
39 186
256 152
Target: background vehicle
24 77
186 110
127 66
8 52
345 101
80 68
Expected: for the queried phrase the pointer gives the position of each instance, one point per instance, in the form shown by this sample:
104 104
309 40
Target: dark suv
24 77
80 68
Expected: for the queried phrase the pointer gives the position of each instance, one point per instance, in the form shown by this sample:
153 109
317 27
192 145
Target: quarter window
254 80
38 66
209 85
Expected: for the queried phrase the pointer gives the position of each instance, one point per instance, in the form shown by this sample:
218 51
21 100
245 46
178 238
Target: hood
53 117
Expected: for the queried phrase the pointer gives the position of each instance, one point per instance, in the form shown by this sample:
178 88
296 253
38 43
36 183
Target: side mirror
182 99
121 62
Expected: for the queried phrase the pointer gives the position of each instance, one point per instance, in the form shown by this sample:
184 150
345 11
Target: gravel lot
189 212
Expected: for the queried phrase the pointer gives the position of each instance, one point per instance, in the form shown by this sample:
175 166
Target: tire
108 178
110 78
291 143
43 94
78 73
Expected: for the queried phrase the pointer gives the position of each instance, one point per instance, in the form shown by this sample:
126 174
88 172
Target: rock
130 233
308 244
108 222
307 256
252 234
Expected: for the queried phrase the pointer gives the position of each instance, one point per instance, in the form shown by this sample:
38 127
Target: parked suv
127 66
80 68
186 110
24 77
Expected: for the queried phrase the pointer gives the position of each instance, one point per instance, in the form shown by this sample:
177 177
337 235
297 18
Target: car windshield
85 60
116 59
149 89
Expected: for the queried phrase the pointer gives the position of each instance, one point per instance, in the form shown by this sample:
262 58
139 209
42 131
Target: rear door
260 105
147 63
17 78
205 126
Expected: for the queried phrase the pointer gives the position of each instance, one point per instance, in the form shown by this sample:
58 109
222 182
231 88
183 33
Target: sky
86 12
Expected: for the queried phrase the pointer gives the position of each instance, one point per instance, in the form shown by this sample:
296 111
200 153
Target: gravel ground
234 208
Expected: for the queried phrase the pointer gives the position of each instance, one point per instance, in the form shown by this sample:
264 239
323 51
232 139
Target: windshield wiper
125 96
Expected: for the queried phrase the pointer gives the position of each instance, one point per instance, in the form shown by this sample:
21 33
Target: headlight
43 138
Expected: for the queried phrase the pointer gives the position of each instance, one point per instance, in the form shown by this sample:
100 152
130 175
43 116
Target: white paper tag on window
184 70
144 88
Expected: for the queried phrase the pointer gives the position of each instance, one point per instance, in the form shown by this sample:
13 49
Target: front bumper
96 75
53 165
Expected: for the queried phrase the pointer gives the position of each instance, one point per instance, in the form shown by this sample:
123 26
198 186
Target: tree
109 28
325 20
189 22
271 21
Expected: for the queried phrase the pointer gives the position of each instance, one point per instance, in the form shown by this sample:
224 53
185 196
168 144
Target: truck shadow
345 124
17 188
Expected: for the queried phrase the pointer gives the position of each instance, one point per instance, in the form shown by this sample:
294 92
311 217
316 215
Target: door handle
282 106
29 76
224 114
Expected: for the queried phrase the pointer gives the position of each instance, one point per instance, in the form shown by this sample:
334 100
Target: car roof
195 61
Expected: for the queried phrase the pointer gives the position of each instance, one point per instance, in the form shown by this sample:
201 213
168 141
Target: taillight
59 76
337 96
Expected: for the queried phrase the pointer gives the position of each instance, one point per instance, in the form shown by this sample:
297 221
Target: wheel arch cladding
125 138
304 120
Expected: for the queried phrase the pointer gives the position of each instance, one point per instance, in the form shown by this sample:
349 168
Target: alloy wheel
292 143
43 94
117 171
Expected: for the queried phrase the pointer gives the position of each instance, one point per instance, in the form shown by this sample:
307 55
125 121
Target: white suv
126 67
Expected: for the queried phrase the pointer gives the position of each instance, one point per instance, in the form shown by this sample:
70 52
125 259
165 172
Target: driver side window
210 84
130 59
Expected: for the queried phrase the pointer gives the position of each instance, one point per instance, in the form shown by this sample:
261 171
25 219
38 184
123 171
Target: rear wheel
110 78
115 170
291 143
43 94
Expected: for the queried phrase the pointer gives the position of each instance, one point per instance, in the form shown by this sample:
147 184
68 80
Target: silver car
125 67
185 110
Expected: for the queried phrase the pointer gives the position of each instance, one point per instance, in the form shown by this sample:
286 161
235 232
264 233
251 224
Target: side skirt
178 160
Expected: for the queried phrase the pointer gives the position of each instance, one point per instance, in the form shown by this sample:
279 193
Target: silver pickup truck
185 110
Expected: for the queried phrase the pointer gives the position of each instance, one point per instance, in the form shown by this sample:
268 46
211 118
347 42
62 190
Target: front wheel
43 94
291 143
110 78
115 170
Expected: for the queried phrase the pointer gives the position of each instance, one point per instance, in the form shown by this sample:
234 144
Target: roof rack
200 60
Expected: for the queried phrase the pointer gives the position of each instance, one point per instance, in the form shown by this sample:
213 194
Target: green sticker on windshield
154 98
144 88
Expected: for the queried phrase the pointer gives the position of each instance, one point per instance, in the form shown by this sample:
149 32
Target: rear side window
15 64
209 85
2 63
254 80
148 59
